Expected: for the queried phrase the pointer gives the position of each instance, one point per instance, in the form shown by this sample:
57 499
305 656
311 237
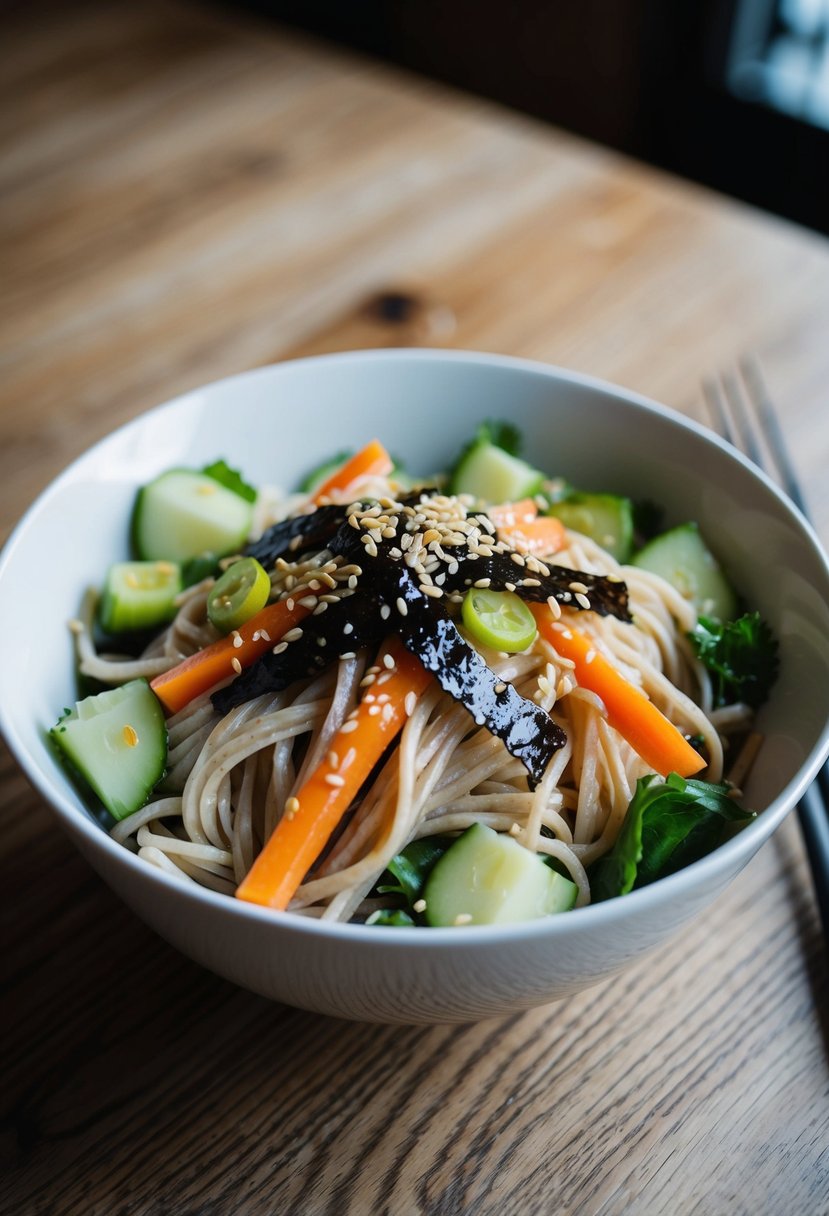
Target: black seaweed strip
306 657
527 732
606 596
313 529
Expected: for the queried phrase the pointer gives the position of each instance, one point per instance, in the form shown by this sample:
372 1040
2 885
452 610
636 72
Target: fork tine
737 404
716 408
768 420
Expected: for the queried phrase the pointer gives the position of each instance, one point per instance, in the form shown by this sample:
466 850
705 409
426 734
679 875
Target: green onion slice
238 595
499 619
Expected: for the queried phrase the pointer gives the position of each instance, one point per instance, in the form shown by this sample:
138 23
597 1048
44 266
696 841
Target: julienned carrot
311 817
629 711
371 461
520 525
512 514
227 657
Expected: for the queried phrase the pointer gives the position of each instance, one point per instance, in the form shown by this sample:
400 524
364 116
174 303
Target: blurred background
730 93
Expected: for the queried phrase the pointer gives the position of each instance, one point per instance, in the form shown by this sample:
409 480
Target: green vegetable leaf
197 568
231 479
741 656
395 917
668 825
411 867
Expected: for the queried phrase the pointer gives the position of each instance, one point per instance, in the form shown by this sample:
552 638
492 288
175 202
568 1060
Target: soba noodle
229 778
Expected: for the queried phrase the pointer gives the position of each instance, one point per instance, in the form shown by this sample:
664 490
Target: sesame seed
367 680
419 905
388 662
349 654
515 830
582 599
293 635
555 608
334 779
590 656
308 601
237 638
130 736
373 710
434 592
483 582
291 807
410 703
578 587
510 586
385 612
280 646
463 918
500 687
388 713
320 608
401 606
321 642
348 727
517 558
236 665
531 582
333 759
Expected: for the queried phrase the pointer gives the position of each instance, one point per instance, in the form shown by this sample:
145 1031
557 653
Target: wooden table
186 195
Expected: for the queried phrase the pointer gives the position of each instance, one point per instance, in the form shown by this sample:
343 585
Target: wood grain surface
185 193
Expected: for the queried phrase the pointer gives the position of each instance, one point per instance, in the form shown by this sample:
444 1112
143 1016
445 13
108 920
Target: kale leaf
410 868
231 479
741 656
667 826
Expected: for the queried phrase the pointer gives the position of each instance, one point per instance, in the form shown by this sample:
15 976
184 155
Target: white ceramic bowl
275 423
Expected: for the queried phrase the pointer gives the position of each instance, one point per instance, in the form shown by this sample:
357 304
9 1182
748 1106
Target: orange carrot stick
540 536
326 795
371 461
512 514
629 711
200 671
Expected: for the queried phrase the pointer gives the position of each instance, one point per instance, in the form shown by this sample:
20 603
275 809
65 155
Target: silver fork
742 412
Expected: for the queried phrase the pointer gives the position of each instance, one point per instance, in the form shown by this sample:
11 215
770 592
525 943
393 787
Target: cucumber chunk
485 878
684 560
183 514
605 518
139 595
321 472
492 475
117 741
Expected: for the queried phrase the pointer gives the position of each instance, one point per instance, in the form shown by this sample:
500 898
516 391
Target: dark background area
692 86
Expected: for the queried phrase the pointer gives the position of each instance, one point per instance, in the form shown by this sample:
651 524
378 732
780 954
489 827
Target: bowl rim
739 849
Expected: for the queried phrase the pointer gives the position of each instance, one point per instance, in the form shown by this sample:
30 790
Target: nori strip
527 732
607 596
314 528
307 656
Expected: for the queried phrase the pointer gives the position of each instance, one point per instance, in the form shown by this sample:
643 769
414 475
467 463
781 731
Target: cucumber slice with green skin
490 474
311 481
117 741
238 595
605 518
684 560
486 878
183 514
139 595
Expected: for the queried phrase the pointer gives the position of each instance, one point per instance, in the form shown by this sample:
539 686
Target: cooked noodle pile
229 777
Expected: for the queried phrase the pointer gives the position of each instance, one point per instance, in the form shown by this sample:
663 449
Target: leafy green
667 826
410 868
196 568
741 656
648 517
231 479
394 917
